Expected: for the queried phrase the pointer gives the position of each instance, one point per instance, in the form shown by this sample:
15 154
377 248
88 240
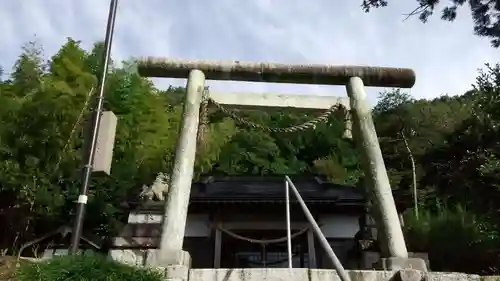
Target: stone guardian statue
158 190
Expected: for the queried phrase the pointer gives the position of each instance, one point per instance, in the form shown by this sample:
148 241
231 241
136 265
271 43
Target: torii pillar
395 254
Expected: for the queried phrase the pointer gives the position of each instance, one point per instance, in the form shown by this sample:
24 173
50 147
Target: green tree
45 107
28 70
37 119
465 169
408 129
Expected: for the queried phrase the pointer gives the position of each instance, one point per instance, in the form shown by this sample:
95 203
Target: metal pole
331 254
87 169
288 230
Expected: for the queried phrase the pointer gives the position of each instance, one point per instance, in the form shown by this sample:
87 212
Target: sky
444 55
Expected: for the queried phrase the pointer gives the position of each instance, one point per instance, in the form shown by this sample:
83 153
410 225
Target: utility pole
96 118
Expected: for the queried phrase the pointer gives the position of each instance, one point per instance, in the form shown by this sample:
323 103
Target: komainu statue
158 190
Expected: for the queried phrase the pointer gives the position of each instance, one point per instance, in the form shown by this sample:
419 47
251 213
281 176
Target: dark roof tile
271 188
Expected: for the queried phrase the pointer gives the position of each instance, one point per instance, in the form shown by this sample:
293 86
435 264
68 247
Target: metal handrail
331 254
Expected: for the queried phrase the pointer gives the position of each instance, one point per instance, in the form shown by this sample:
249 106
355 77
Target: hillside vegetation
45 105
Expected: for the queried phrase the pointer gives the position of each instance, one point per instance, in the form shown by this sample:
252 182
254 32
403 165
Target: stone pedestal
392 264
416 261
176 264
138 245
154 258
141 233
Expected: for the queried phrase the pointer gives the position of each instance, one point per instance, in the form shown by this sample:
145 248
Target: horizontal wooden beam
274 100
278 73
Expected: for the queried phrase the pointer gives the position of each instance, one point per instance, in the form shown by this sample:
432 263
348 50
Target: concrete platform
183 273
301 274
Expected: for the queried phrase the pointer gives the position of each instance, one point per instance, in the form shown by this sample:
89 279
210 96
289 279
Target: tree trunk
414 173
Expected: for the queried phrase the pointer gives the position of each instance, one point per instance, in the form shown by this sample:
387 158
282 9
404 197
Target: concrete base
153 258
371 260
392 264
181 271
176 264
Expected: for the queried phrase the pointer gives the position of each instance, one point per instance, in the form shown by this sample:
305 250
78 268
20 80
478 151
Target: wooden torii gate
355 78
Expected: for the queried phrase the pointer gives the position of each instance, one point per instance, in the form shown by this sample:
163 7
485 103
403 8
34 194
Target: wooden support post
217 248
311 249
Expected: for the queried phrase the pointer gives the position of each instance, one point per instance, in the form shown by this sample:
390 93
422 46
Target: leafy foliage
45 106
84 268
454 238
485 13
454 142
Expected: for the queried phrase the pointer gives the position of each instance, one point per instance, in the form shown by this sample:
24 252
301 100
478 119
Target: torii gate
353 77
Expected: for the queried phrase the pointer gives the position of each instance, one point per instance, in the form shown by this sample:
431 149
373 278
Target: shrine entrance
254 248
198 98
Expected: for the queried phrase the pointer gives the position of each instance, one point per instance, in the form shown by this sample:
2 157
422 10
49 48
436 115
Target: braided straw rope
259 241
292 129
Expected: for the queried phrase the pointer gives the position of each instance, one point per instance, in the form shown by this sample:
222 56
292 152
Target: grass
83 268
8 267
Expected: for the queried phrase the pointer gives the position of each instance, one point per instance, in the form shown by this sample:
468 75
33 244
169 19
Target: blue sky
444 55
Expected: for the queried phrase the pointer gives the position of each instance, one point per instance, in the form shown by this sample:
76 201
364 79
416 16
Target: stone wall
137 258
299 274
369 259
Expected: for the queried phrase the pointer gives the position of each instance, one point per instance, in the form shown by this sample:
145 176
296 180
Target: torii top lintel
278 73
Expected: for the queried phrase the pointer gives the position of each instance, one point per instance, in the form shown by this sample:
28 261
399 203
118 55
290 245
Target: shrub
84 268
456 240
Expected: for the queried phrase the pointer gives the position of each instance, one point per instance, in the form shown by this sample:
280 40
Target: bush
456 240
84 268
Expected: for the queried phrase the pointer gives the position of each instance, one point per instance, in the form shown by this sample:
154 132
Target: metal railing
328 249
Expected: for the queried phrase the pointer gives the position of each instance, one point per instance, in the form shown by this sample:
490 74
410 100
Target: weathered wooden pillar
311 249
176 207
217 248
375 172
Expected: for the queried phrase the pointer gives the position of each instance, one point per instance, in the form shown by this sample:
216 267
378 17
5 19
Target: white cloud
445 55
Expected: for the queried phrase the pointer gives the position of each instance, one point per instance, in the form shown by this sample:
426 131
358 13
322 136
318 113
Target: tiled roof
255 189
